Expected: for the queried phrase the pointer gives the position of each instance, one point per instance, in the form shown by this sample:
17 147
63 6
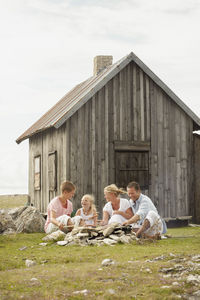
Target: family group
139 210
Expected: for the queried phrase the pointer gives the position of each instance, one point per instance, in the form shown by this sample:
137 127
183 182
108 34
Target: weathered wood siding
129 108
195 207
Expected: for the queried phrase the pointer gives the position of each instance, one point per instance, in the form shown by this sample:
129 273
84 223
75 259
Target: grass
11 201
60 271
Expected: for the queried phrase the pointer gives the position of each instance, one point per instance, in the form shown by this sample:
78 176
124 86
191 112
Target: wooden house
121 124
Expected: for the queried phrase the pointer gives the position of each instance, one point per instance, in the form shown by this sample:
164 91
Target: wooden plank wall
130 107
171 155
195 208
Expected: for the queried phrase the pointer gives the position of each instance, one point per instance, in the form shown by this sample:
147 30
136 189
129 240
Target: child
88 211
60 209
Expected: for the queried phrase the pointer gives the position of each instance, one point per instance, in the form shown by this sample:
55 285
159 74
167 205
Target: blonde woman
88 211
116 209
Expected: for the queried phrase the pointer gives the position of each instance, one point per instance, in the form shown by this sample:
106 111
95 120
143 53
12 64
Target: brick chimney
101 62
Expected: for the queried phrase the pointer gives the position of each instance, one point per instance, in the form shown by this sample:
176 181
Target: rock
114 237
54 236
107 262
29 263
62 243
109 229
111 292
109 241
43 244
34 279
165 287
125 239
29 220
84 292
193 279
6 222
82 235
23 248
175 283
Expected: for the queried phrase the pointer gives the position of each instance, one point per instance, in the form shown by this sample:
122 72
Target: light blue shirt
142 206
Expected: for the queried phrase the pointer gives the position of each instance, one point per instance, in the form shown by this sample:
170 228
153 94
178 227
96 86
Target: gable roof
82 92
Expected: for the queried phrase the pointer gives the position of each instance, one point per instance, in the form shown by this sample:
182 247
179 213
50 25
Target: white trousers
156 225
52 227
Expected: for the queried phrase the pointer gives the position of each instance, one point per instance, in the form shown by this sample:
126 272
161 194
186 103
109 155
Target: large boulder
27 219
6 222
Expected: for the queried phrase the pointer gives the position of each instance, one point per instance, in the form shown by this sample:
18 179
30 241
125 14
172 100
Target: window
37 172
52 171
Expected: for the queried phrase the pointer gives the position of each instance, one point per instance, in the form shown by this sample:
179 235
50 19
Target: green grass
62 270
11 201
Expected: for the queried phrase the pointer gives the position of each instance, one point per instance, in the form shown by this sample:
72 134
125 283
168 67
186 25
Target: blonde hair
112 188
91 199
67 186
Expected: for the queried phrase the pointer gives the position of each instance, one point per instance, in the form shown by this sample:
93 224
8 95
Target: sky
48 46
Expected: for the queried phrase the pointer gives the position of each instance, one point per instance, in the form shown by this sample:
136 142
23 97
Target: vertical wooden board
80 153
125 104
141 76
111 152
166 173
196 202
73 156
153 152
108 97
135 112
93 140
116 107
98 147
148 109
138 103
173 203
31 170
87 178
172 139
129 101
190 172
45 197
68 149
160 146
121 105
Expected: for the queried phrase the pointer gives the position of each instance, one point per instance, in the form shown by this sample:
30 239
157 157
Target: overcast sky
47 47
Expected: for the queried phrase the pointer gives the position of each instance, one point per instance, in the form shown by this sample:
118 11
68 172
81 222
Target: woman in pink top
60 209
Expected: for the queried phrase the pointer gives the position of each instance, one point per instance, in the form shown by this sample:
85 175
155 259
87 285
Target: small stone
111 292
29 263
193 279
175 283
23 248
54 236
107 262
148 270
165 287
43 244
34 279
172 255
62 243
84 292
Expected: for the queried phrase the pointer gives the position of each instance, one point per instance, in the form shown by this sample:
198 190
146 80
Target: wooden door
132 166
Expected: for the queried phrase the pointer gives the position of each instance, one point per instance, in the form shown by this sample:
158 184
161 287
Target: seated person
88 211
60 209
117 209
146 219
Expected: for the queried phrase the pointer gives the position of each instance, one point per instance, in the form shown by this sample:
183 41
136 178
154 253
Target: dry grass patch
11 201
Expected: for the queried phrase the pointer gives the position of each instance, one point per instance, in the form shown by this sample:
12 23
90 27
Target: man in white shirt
146 219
